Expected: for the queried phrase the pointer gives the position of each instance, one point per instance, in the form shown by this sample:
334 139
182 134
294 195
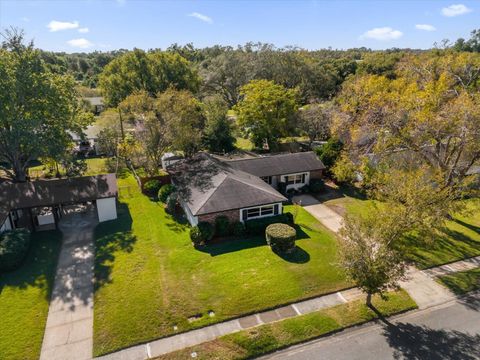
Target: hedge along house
240 189
39 204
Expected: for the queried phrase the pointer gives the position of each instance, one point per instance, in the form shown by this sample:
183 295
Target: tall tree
37 107
152 72
431 111
315 120
367 256
266 112
150 127
218 130
184 119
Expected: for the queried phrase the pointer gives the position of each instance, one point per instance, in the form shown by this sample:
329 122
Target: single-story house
240 189
36 203
96 102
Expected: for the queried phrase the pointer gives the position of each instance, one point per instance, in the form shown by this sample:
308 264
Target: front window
295 179
261 211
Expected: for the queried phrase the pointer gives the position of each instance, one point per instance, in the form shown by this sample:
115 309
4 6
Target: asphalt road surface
448 331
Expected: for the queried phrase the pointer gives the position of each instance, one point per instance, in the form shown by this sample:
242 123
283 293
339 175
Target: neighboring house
87 142
36 203
242 189
97 104
169 159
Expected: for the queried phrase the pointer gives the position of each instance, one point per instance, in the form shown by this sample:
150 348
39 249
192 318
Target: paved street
448 331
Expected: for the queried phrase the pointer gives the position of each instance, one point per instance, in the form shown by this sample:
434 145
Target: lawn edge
220 322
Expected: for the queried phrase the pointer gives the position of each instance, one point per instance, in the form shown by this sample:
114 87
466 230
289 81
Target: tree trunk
369 300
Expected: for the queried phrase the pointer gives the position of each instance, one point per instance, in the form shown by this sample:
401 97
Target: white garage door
107 209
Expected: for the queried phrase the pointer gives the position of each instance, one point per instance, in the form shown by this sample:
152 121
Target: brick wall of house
233 215
316 174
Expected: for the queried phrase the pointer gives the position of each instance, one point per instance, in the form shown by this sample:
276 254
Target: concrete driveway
69 329
329 218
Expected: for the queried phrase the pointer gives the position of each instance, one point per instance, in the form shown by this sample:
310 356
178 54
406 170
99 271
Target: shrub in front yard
151 187
238 229
222 225
281 237
258 226
165 191
202 233
14 246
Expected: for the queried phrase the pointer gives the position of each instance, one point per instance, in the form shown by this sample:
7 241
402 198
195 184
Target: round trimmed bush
14 246
238 229
281 237
165 191
222 225
151 187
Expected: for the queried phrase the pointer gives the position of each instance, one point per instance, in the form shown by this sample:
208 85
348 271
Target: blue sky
87 25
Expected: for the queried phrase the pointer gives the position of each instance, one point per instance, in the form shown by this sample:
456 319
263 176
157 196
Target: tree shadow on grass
467 225
38 267
111 237
232 245
411 341
177 223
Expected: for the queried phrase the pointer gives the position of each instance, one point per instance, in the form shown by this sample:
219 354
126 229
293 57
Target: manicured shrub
172 203
281 237
14 246
196 236
222 226
202 233
207 230
238 229
151 187
316 185
165 192
258 226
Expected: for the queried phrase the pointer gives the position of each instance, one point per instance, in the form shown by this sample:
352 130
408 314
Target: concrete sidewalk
69 328
329 218
420 285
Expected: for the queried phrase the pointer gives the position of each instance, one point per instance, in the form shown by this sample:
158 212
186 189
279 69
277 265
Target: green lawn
267 338
458 240
150 278
462 282
24 299
244 144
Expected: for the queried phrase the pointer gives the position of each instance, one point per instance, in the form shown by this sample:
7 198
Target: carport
40 204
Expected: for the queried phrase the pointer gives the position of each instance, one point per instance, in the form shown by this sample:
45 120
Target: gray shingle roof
279 164
208 185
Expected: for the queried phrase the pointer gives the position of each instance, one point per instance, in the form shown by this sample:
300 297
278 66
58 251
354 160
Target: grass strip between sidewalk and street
462 282
278 335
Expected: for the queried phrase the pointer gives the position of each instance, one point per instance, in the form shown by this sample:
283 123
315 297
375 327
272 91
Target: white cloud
383 34
202 17
455 10
83 30
425 27
80 43
62 25
121 2
26 19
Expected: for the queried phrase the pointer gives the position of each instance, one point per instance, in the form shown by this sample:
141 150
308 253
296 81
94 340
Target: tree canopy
153 72
37 108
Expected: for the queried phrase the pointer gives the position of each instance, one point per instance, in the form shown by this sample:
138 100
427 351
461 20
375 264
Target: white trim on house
297 184
263 211
193 220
